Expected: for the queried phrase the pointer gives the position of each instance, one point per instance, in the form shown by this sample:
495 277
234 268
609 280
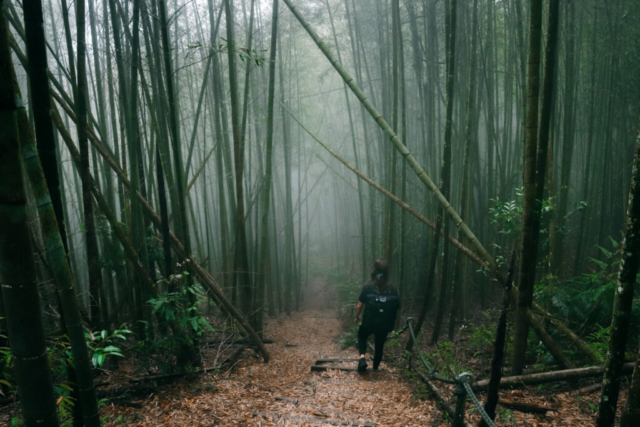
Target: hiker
381 302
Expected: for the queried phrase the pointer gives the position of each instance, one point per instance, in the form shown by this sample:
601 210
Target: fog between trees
210 157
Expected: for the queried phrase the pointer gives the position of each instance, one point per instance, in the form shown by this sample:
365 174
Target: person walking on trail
381 302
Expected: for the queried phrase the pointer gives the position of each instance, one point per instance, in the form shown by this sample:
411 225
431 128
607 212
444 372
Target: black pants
380 338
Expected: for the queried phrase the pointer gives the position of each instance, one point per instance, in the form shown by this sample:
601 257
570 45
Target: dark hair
380 274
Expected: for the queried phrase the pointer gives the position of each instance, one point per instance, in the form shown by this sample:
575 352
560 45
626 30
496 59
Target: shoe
362 365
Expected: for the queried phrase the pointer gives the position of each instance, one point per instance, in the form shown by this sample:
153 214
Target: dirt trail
380 398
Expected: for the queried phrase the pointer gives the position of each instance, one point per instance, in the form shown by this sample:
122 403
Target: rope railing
463 388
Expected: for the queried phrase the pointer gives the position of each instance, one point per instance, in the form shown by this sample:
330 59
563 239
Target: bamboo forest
319 212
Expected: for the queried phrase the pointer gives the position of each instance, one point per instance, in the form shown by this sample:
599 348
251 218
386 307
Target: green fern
605 251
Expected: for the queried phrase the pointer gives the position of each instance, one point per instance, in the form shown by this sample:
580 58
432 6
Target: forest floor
381 398
250 394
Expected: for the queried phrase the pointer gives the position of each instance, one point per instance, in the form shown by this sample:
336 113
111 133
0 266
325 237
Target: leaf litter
380 398
384 398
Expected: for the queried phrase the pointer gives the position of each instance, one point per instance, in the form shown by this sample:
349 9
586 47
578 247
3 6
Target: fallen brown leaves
382 398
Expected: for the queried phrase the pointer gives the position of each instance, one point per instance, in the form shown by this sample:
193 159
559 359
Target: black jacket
380 308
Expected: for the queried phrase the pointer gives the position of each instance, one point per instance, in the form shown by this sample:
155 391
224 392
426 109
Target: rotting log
589 389
549 377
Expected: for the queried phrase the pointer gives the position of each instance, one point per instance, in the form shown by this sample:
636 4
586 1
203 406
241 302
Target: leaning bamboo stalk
489 262
194 131
129 250
468 252
201 167
574 338
19 286
549 343
60 270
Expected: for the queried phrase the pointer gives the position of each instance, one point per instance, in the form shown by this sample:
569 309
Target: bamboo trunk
623 303
499 348
17 270
529 240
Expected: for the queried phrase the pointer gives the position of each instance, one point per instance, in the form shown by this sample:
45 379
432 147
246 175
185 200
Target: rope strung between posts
476 403
459 380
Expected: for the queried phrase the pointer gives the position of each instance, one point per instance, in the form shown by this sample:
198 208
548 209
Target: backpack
381 309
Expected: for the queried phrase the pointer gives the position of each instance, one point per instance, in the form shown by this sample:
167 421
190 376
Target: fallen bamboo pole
553 376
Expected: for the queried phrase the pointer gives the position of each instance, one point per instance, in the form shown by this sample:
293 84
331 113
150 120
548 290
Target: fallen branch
127 391
529 408
589 389
230 360
549 377
598 386
564 330
169 377
239 341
